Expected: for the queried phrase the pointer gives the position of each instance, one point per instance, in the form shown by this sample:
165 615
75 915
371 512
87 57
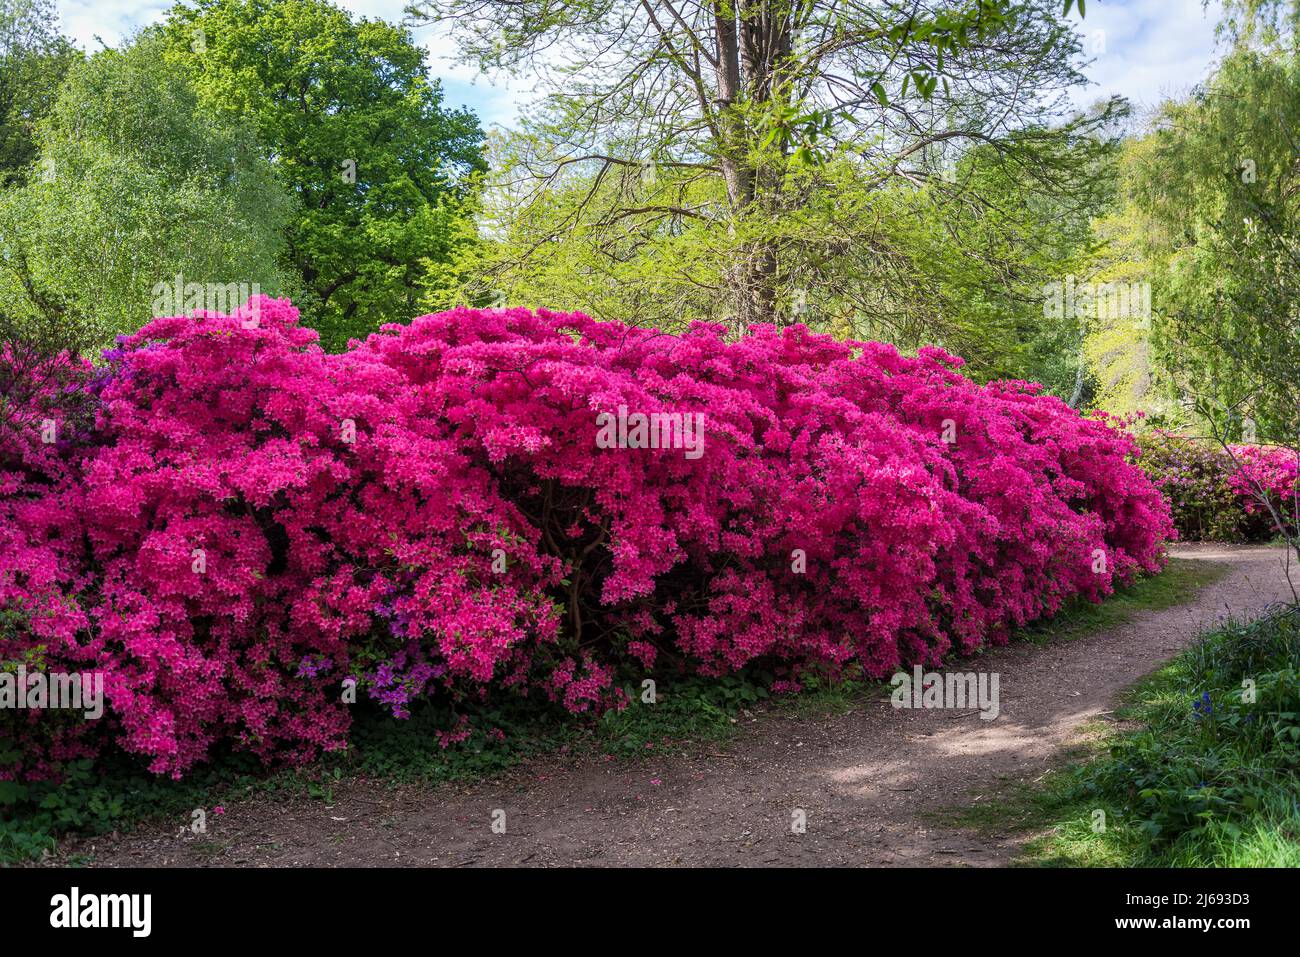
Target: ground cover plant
1202 772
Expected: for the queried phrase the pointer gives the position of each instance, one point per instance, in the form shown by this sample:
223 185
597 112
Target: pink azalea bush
1215 494
46 419
251 525
1267 476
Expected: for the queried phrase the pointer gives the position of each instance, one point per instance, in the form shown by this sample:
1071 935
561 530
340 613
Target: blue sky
1143 49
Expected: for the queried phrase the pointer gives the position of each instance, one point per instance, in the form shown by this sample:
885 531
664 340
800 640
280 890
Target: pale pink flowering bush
251 521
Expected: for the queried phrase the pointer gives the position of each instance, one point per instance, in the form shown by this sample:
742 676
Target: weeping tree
766 159
136 183
1221 173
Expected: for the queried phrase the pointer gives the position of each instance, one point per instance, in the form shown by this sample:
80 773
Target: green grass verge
1178 584
119 795
1199 775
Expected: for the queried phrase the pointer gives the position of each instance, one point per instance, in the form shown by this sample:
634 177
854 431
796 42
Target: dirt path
866 780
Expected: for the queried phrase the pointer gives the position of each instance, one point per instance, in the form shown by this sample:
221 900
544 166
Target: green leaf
11 792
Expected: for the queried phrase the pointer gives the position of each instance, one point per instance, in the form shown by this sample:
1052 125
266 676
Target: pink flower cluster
251 524
1269 472
1218 495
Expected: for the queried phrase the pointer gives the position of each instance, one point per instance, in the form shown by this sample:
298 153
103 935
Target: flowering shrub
252 522
1211 496
1193 476
1267 480
46 416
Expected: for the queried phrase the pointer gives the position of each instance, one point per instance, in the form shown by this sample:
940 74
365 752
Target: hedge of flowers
1216 494
232 526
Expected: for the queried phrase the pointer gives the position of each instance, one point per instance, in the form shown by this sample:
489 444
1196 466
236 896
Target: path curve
867 780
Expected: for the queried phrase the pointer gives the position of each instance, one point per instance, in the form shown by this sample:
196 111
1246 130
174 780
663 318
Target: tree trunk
739 179
753 39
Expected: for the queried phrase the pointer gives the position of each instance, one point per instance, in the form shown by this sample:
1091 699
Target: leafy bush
1193 476
1213 497
1216 758
1267 480
251 521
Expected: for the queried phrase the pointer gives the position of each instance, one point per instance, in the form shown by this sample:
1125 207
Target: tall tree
1222 174
346 111
1118 343
137 183
33 60
721 158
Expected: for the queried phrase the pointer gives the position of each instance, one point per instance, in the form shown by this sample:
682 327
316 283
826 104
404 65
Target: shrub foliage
233 523
1218 494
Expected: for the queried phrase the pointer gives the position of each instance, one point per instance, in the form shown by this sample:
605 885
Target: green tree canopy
137 183
1222 174
885 170
33 59
346 111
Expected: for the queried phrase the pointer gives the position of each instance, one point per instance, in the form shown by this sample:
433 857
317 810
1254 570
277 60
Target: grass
1198 774
119 795
1178 584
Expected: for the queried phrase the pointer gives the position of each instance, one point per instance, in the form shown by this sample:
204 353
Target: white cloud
1149 49
108 22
